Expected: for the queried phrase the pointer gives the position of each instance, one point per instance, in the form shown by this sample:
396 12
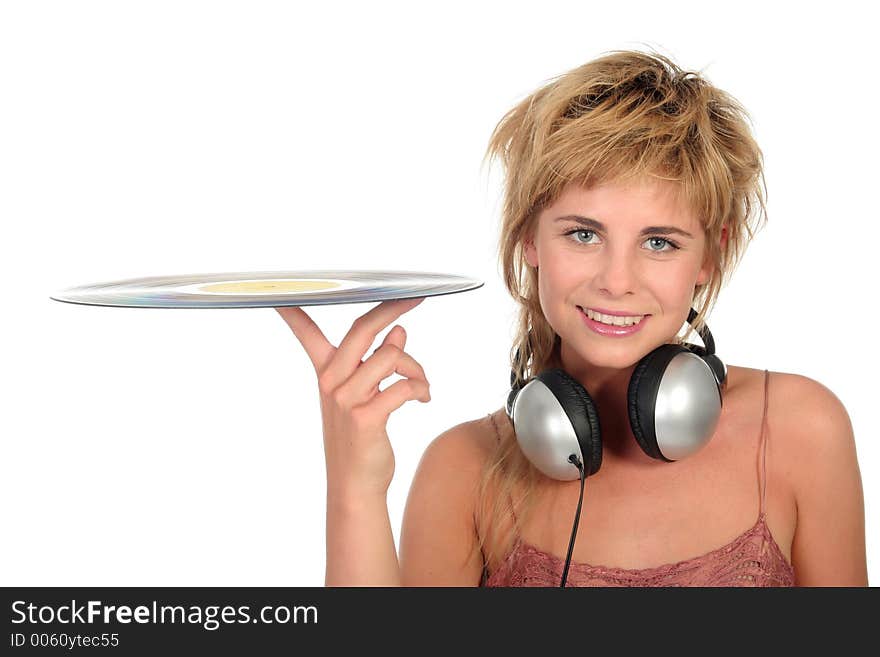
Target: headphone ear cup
674 403
642 396
581 413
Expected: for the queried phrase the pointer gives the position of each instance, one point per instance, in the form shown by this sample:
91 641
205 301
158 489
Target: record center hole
251 287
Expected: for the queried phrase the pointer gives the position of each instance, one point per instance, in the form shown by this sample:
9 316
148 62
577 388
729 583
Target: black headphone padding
642 395
581 412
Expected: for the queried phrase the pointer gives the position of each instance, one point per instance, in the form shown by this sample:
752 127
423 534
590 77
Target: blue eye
580 230
662 240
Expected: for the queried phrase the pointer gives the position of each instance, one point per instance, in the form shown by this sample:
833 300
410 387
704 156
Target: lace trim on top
754 558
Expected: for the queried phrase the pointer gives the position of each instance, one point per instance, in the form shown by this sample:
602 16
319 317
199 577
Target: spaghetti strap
762 481
509 498
497 433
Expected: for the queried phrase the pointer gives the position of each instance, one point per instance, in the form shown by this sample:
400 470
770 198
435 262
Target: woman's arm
357 451
436 543
360 545
829 541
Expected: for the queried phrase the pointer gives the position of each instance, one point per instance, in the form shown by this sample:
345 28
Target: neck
608 388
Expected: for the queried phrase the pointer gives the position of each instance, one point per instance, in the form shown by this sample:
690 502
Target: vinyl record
266 289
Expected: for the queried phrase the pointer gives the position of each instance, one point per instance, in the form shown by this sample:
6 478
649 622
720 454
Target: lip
612 331
618 313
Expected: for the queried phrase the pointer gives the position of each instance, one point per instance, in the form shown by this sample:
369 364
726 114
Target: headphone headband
704 333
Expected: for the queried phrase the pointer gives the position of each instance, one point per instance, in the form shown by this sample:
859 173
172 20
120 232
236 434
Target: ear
723 236
706 269
530 252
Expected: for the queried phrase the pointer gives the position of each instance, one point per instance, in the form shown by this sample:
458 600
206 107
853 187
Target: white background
183 447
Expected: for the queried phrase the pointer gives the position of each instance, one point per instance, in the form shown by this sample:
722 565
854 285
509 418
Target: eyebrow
650 230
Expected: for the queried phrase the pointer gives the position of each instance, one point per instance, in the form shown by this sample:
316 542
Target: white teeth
614 320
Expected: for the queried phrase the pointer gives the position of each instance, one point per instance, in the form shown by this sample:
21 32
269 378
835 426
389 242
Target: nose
616 275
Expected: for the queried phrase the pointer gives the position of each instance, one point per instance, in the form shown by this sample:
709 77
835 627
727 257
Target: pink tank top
751 559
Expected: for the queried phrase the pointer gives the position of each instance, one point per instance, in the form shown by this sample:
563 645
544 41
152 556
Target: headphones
674 402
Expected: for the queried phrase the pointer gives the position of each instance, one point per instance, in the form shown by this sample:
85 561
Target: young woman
632 189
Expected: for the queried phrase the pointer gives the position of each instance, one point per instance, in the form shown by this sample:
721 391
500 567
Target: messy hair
627 116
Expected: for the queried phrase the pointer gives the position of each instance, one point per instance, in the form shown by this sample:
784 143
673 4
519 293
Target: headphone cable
577 516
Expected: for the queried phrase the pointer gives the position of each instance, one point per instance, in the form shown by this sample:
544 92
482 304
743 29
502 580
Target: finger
387 360
392 337
364 331
319 349
397 337
392 398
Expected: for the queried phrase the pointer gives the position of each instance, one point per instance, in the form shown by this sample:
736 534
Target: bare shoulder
809 427
799 408
465 445
808 413
814 428
437 543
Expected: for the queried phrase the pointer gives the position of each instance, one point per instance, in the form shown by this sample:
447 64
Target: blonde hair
626 116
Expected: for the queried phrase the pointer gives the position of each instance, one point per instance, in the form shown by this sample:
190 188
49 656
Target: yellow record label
268 287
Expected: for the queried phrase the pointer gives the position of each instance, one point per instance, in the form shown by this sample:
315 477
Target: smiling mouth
612 320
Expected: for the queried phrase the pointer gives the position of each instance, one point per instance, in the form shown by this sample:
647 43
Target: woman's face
619 256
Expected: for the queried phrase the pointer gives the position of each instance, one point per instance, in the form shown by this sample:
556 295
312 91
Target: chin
608 352
624 362
611 357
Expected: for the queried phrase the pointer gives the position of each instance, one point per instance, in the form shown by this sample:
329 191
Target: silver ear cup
544 432
687 407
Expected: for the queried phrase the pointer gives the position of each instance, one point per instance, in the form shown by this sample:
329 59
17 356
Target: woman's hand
358 453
